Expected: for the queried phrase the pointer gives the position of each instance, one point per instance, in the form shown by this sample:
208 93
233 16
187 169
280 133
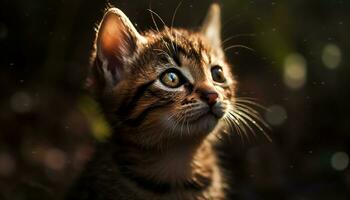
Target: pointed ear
116 41
211 27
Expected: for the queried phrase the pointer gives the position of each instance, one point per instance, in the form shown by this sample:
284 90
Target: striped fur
162 145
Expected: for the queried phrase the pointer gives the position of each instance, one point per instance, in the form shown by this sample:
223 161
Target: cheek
223 93
226 93
166 113
158 119
164 119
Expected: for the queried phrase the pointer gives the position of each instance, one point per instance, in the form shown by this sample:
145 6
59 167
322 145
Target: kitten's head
162 85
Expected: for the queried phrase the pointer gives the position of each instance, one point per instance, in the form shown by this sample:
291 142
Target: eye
171 78
218 74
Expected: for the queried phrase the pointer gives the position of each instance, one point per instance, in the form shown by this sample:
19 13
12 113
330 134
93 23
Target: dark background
298 69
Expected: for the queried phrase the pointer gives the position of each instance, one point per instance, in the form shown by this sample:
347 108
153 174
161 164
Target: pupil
172 77
218 74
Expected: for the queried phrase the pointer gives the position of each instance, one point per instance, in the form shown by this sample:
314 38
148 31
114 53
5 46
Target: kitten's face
164 85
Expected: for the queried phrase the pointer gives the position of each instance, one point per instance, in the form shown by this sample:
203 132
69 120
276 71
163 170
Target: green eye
171 79
218 74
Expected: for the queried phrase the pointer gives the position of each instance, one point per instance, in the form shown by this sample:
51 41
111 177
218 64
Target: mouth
201 122
207 115
215 113
218 111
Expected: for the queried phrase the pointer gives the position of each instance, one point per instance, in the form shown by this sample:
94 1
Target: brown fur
160 148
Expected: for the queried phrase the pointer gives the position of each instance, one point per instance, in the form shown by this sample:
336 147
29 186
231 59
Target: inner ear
211 27
117 40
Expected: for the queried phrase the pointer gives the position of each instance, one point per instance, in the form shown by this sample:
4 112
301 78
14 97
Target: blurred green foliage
99 127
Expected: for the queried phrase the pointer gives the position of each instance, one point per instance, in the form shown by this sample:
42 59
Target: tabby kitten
166 94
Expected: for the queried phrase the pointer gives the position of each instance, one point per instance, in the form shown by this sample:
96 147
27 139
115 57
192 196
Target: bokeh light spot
331 56
340 161
7 164
21 102
55 159
276 115
294 75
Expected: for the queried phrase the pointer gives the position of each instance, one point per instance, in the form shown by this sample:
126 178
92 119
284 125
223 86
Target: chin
204 125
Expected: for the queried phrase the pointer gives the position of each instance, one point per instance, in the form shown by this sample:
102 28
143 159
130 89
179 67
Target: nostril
208 94
211 98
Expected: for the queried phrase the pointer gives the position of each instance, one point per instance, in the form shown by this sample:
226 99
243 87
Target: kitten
167 94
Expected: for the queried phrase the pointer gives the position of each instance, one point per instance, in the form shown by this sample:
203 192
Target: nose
207 93
210 97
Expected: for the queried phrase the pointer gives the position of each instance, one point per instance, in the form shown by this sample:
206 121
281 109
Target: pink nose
211 98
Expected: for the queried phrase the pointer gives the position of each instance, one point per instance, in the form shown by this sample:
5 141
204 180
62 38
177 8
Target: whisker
152 16
232 125
152 12
249 98
239 46
250 102
183 123
245 123
240 105
174 125
174 15
177 122
256 117
154 21
248 109
191 105
171 27
194 113
187 123
244 115
238 35
241 125
233 120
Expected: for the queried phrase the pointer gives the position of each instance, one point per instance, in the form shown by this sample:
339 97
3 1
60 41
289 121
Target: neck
182 164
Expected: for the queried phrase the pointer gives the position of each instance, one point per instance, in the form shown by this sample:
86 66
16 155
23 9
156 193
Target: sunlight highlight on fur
244 119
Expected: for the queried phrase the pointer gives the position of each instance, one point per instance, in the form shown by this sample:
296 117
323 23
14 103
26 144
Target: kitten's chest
214 191
176 176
